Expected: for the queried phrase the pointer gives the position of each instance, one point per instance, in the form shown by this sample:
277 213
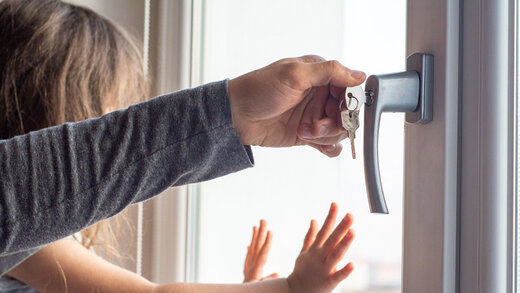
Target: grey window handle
410 92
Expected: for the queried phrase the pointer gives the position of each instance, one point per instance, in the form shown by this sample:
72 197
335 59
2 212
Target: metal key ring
346 106
351 96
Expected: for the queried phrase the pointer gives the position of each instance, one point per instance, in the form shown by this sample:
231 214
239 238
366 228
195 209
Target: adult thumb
332 72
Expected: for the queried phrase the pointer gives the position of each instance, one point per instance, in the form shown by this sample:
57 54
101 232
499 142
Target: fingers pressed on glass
264 251
246 262
257 253
342 274
254 240
338 233
261 236
310 236
341 248
271 276
250 257
327 226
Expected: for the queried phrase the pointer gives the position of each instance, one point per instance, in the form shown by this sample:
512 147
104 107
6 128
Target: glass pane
289 187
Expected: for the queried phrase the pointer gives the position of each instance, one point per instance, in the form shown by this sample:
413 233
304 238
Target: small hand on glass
257 253
315 269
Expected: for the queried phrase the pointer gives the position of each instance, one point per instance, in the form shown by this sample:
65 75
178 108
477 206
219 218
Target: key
350 120
354 99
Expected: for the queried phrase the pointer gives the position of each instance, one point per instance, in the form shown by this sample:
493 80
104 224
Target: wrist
156 288
293 282
239 122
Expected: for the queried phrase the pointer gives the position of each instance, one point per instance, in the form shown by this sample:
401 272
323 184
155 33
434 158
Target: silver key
350 120
354 99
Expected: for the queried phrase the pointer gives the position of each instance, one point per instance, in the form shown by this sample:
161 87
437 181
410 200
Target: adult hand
315 270
257 253
294 101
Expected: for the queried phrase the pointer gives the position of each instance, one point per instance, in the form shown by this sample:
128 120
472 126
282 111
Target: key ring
350 96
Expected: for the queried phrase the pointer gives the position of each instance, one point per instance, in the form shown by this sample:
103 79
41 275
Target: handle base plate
423 64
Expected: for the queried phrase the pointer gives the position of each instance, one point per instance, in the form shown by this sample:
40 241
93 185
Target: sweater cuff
247 148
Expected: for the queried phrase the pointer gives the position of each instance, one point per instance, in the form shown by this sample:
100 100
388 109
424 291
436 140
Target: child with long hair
63 63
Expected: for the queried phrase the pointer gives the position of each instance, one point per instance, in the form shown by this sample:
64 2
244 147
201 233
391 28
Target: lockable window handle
410 92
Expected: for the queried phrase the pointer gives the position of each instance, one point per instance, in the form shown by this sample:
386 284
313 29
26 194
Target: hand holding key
291 102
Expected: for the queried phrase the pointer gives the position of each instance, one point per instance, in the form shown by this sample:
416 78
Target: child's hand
257 253
315 270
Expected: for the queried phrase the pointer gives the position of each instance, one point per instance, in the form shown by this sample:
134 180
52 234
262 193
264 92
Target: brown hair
63 63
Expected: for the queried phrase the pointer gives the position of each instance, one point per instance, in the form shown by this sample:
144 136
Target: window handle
410 92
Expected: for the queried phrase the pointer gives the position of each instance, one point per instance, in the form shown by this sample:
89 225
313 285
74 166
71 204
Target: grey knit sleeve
59 180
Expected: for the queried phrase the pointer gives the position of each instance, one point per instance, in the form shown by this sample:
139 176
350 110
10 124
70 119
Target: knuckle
334 65
291 69
334 279
333 239
334 255
330 154
284 61
313 58
292 74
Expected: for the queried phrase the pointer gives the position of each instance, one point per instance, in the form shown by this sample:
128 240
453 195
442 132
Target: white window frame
172 72
430 161
174 250
487 151
459 188
459 170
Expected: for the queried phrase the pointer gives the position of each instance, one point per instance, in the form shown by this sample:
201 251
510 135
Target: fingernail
330 148
323 131
306 132
357 74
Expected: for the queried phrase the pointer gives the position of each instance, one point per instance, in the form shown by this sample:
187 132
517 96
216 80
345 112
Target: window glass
289 187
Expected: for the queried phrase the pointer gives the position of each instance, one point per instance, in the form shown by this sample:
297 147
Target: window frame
452 211
172 35
487 195
459 215
430 236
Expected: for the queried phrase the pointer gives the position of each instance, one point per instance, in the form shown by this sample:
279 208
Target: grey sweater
59 180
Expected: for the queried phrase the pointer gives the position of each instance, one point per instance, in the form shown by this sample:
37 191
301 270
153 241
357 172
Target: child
66 63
